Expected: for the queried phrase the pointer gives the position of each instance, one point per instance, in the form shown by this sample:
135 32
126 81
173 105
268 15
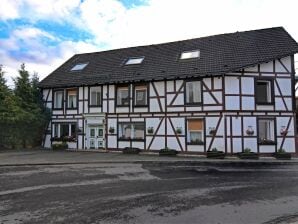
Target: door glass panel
92 132
100 132
92 143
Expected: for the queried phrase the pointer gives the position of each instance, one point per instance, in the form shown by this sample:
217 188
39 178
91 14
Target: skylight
134 61
79 67
190 54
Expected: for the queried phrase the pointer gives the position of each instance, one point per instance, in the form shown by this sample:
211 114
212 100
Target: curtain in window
140 95
139 131
124 131
193 92
195 130
266 130
72 98
95 96
58 99
122 96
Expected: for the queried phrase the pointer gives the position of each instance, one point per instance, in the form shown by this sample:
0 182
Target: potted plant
179 130
196 142
215 154
249 130
60 146
167 152
131 150
248 154
283 131
150 130
111 130
282 154
212 131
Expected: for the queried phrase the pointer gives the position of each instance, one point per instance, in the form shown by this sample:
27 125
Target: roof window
134 61
79 67
190 54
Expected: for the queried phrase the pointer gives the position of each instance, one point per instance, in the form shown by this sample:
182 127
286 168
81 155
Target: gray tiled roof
218 54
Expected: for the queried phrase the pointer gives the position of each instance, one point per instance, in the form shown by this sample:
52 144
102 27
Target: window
264 92
266 131
58 99
72 99
131 131
95 96
140 97
193 92
64 131
190 54
79 67
195 131
134 61
123 96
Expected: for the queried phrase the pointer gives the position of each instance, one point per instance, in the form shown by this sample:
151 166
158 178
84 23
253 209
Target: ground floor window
131 131
266 130
64 132
195 131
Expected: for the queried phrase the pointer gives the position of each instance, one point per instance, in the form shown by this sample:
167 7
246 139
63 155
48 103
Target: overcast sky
45 33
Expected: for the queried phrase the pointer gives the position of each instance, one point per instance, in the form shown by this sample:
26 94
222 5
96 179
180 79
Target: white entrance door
96 137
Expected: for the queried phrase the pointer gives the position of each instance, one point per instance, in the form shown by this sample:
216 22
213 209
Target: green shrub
60 146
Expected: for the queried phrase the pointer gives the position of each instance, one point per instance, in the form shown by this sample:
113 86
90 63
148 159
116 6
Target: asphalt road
148 193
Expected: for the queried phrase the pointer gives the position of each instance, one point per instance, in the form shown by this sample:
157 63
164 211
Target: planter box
283 155
169 152
216 154
246 155
128 150
59 146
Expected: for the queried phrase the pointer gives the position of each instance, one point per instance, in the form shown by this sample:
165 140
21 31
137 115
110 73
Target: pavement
144 189
50 157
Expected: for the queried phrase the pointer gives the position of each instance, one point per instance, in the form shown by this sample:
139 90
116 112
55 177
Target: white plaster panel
279 104
123 144
80 93
160 87
154 106
285 86
170 98
111 106
236 126
250 121
267 148
112 122
288 146
137 119
123 120
141 109
218 96
265 107
157 144
104 91
207 81
94 110
55 112
232 103
211 122
266 67
122 109
177 122
170 86
179 99
47 141
251 143
179 83
192 109
237 145
217 83
104 106
279 67
154 122
208 99
283 121
86 106
80 107
174 109
71 111
173 143
289 103
231 85
252 69
211 108
86 93
151 90
72 145
287 62
195 148
247 85
228 145
112 141
218 143
139 145
248 103
80 142
112 91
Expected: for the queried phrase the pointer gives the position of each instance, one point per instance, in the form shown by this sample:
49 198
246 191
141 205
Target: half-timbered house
230 92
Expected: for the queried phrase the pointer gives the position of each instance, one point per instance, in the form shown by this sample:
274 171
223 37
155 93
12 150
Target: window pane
195 125
141 95
122 96
58 99
72 98
73 130
193 92
124 131
139 131
95 96
64 130
195 136
190 54
266 130
56 134
263 92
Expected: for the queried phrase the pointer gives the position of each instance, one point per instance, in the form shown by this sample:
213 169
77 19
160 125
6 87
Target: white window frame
269 91
187 92
141 88
73 96
190 54
119 95
270 127
56 99
132 131
57 129
96 89
134 60
79 67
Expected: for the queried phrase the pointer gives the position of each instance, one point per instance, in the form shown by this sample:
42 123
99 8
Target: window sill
189 143
123 105
131 139
140 106
267 143
264 104
193 104
71 108
95 106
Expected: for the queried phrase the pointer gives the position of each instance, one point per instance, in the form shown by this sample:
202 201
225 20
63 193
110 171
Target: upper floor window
123 96
140 95
134 61
72 98
264 90
266 131
193 92
190 54
95 96
79 67
58 99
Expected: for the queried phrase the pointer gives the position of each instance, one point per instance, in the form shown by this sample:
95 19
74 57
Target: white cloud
9 9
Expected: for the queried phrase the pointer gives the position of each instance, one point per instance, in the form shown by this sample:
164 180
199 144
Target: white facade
228 113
